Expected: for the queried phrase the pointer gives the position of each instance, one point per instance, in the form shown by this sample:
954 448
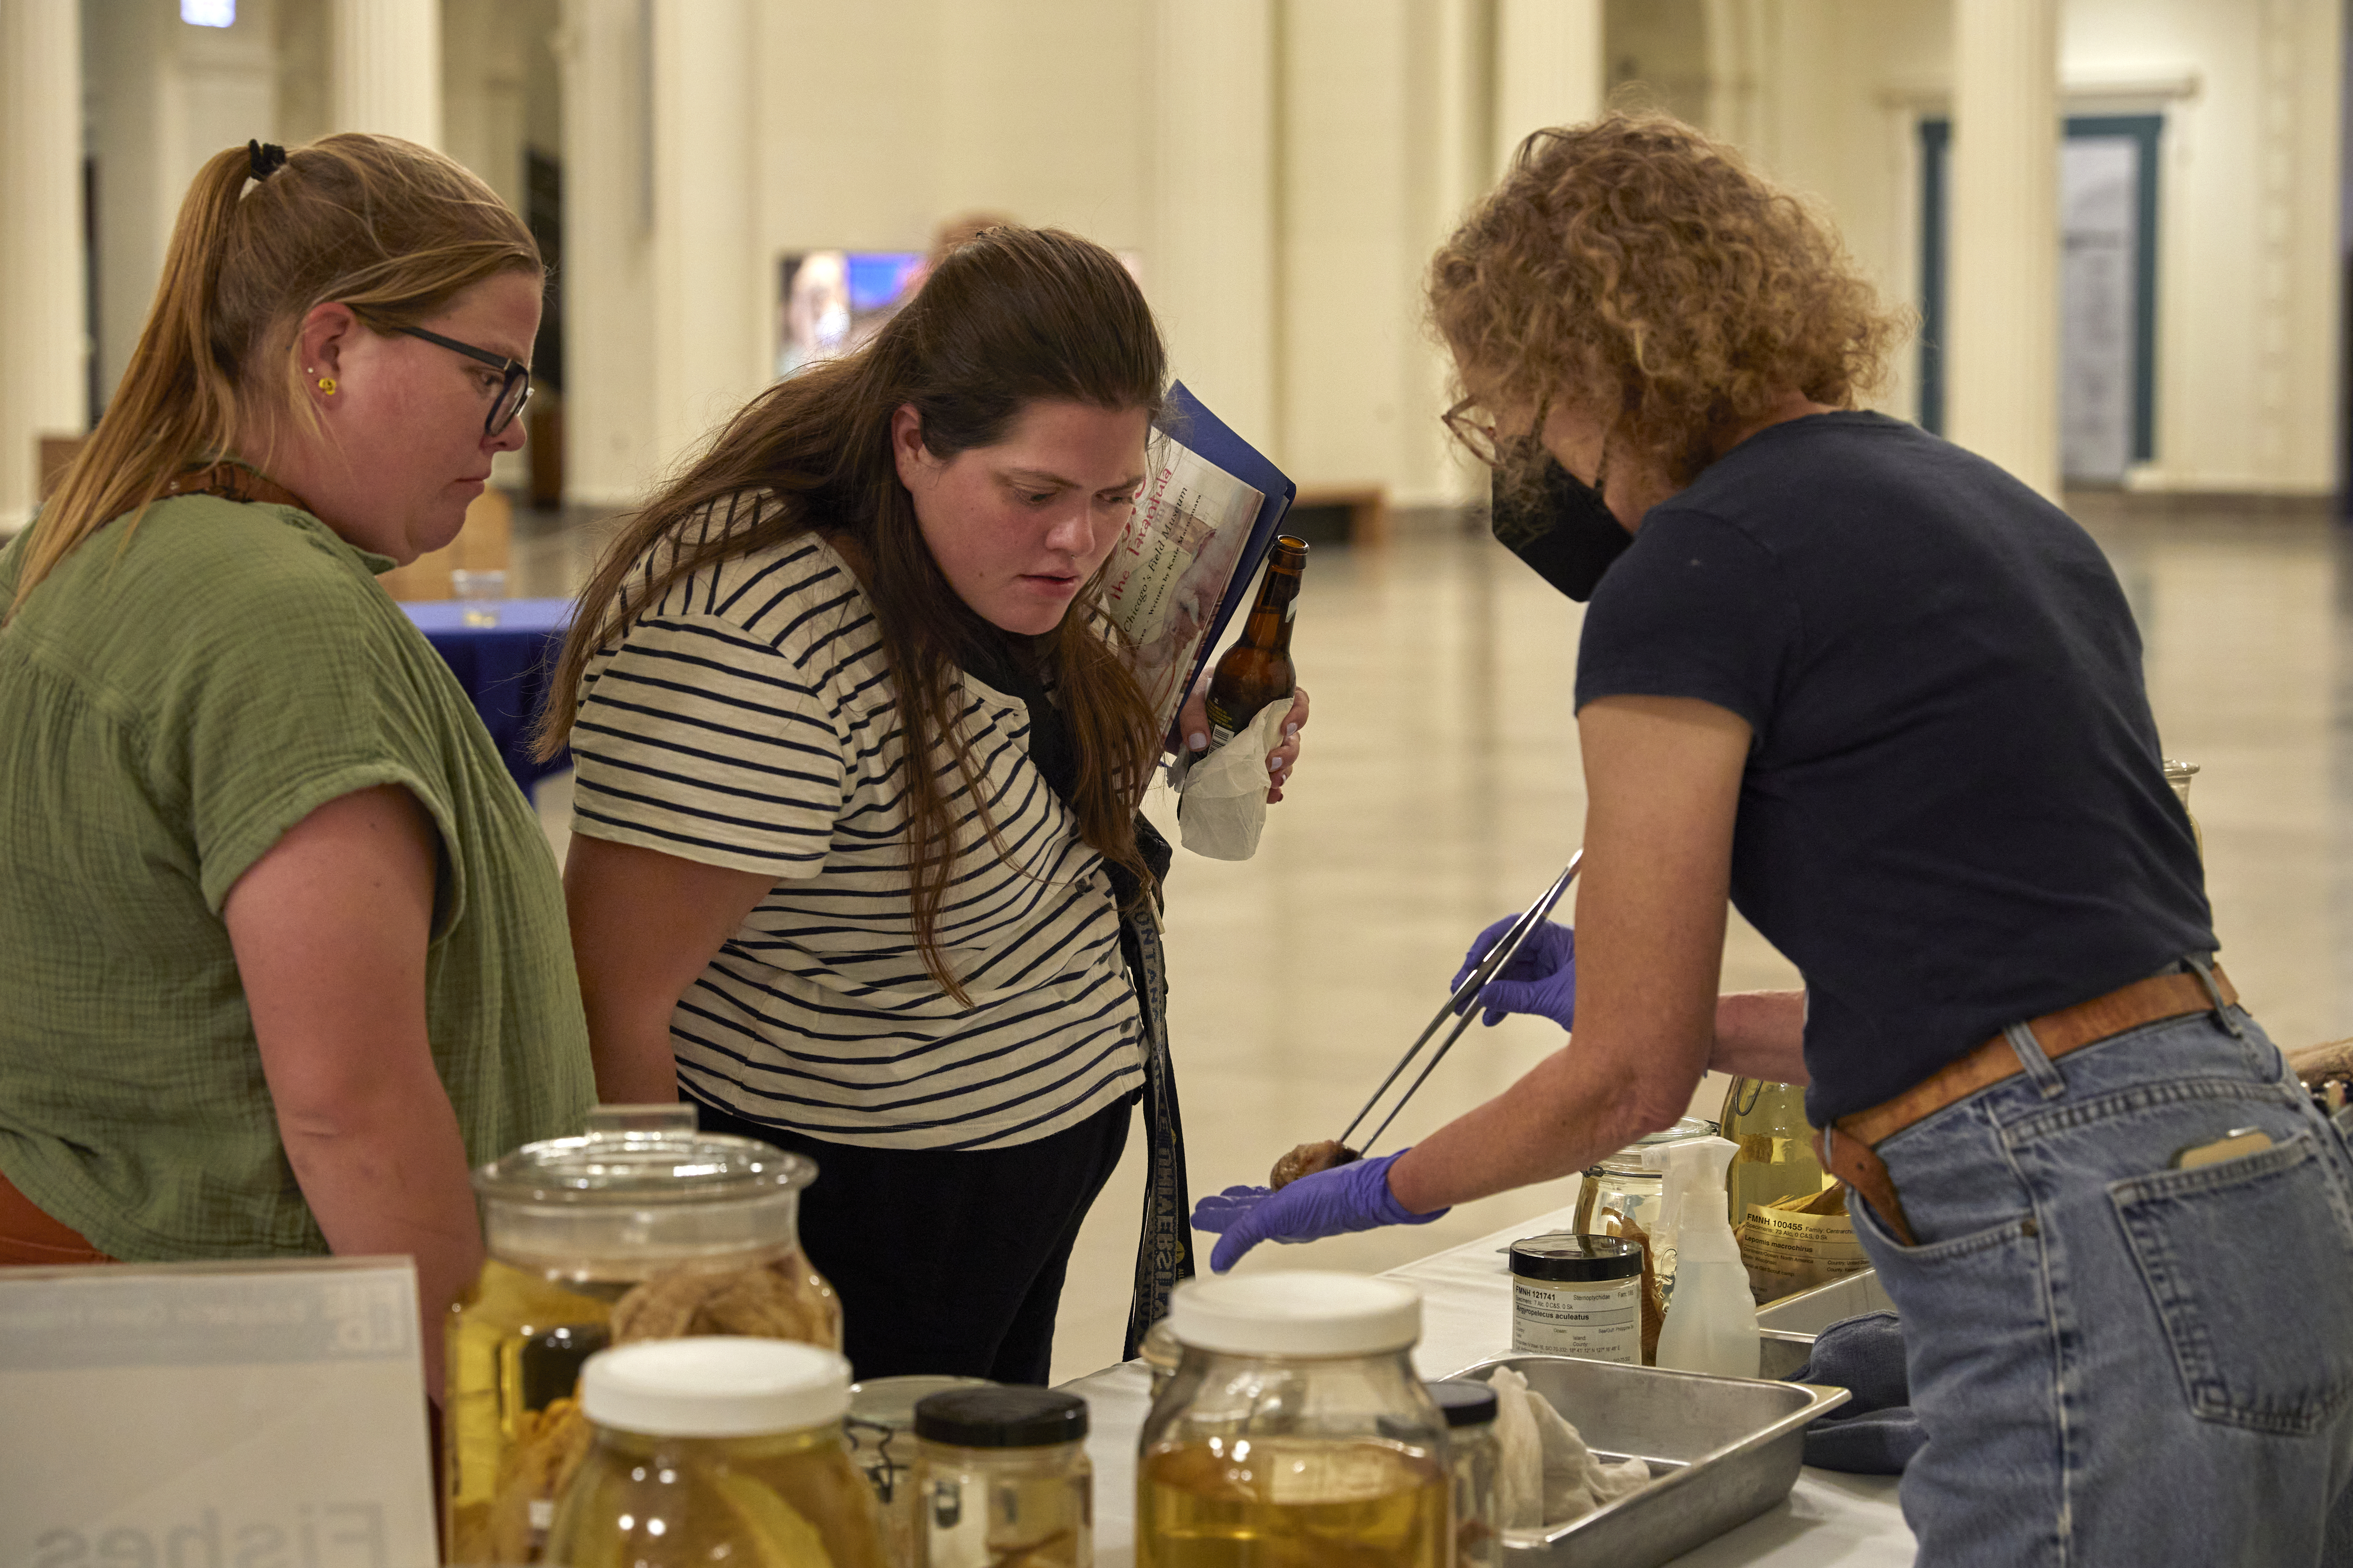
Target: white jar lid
1306 1313
717 1385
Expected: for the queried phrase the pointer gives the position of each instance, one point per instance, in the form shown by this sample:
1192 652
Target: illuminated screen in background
208 13
829 301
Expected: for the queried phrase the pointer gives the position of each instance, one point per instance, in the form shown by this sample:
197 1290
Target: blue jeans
2117 1362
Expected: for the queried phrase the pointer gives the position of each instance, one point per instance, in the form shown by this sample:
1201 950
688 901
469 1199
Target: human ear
907 449
324 333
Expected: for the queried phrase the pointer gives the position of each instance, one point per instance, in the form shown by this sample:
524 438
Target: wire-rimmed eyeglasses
1477 436
514 389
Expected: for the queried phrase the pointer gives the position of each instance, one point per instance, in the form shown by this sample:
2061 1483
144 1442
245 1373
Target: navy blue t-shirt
1955 813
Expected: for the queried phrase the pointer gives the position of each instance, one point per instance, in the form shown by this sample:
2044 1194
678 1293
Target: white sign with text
214 1415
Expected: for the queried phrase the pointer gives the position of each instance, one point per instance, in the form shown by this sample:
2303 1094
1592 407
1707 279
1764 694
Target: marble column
711 289
387 67
1550 68
1211 271
603 49
2001 353
44 345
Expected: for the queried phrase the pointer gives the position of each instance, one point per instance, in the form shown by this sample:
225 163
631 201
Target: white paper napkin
1221 798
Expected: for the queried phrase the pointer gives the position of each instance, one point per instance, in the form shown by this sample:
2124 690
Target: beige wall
1358 225
2248 323
1826 95
1283 166
876 123
162 97
1284 252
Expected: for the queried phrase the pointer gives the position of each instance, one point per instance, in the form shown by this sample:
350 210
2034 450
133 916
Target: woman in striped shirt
856 864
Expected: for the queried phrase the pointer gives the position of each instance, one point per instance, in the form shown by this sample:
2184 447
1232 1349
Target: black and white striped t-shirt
747 720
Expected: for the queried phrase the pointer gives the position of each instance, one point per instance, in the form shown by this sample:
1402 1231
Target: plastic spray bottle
1711 1323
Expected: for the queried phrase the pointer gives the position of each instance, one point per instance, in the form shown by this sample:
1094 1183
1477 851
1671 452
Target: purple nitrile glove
1541 979
1355 1197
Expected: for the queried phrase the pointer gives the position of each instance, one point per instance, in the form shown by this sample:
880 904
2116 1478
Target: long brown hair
1644 272
392 229
1008 318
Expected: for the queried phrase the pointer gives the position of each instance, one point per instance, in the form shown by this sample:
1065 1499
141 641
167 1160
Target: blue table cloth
505 669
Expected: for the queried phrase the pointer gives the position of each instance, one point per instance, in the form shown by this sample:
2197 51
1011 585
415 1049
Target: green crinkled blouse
170 704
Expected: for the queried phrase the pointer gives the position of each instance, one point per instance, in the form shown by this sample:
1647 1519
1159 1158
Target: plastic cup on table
479 594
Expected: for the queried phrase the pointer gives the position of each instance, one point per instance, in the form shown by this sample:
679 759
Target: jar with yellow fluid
1775 1159
716 1450
1294 1434
641 1229
1474 1455
1788 1213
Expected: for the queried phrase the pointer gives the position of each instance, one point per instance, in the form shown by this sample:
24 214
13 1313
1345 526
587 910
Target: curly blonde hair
1643 273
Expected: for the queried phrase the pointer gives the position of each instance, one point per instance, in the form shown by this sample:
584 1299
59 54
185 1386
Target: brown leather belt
1849 1155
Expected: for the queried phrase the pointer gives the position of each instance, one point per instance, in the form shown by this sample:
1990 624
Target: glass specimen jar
715 1450
1002 1480
641 1229
1578 1295
1160 1352
1622 1188
881 1427
1472 1455
1294 1432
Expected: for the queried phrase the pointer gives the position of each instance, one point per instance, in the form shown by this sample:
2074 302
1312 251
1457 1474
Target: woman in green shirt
286 946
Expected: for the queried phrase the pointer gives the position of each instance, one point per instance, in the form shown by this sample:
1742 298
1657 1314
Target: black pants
949 1260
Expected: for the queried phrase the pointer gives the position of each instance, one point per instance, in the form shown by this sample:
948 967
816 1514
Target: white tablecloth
1828 1520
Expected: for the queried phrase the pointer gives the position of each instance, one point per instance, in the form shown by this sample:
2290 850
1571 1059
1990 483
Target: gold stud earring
327 384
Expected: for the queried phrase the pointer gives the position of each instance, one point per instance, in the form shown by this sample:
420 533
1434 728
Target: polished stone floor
1441 788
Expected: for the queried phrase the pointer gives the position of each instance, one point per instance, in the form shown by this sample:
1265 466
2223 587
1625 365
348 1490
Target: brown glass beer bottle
1257 670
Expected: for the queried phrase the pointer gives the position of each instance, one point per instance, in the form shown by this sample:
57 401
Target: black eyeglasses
514 391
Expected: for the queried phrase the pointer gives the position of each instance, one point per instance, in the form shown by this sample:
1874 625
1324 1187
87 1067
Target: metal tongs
1464 1003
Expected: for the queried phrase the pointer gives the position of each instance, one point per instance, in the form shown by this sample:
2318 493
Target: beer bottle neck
1271 613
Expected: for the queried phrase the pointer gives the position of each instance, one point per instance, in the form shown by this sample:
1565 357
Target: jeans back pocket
2250 1265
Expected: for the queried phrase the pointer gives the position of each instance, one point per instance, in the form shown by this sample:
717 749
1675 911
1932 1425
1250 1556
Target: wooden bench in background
1363 508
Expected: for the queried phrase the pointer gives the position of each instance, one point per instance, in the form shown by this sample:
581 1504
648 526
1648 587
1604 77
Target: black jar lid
1464 1402
1564 1257
1001 1418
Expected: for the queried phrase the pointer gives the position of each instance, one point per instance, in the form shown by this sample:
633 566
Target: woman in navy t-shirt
1886 701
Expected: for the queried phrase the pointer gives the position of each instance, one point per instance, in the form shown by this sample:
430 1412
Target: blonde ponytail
390 228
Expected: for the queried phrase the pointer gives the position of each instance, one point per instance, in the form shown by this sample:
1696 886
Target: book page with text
1172 566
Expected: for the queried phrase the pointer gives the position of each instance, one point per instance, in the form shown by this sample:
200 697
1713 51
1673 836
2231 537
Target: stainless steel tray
1722 1450
1785 1328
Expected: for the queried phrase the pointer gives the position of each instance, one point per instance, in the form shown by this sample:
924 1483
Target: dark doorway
2108 195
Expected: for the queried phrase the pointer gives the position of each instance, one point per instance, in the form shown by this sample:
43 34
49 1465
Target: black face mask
1564 531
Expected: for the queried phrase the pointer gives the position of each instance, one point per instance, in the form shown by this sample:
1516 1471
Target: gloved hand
1355 1197
1541 979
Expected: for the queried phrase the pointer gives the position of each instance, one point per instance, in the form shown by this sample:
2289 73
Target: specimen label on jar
1600 1320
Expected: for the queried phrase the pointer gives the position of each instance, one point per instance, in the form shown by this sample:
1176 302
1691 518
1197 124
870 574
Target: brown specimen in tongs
1308 1159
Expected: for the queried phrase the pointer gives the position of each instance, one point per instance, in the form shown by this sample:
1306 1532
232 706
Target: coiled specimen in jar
513 1447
